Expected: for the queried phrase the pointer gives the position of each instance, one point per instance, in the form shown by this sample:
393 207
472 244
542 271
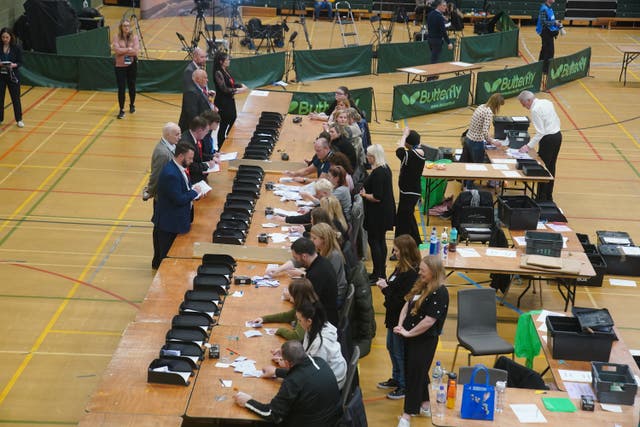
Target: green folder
559 404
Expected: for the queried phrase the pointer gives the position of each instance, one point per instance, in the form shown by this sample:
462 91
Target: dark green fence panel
332 63
398 55
424 98
50 70
308 102
259 70
488 47
509 82
85 43
568 68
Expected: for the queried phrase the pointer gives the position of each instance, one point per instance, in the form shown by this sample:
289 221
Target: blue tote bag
478 400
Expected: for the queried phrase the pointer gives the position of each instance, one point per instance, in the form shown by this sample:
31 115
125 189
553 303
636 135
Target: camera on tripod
201 6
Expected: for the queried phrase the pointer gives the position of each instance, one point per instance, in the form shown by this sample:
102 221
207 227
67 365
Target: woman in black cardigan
226 88
379 209
11 58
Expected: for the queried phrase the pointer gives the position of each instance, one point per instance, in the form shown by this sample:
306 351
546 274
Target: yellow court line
77 332
86 102
87 269
615 120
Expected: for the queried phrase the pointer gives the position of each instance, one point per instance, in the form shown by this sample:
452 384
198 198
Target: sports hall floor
75 237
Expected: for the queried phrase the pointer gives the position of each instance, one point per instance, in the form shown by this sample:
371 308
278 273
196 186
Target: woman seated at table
336 185
342 100
332 208
325 239
339 159
320 340
300 291
339 144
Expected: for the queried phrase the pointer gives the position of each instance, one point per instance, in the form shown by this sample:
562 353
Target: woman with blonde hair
334 209
420 323
379 209
325 238
126 47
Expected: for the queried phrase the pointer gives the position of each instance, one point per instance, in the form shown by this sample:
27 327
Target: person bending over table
325 238
394 291
320 340
320 163
300 291
308 395
547 125
420 324
226 88
329 211
335 185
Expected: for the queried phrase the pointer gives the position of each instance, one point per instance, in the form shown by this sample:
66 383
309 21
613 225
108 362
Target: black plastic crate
599 266
518 212
567 341
550 212
590 249
583 238
543 243
605 236
619 263
613 383
503 123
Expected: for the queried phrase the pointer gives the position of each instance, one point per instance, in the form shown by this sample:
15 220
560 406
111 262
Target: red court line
84 193
51 114
64 153
97 288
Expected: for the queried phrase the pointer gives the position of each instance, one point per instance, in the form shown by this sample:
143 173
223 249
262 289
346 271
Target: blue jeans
395 346
475 152
319 5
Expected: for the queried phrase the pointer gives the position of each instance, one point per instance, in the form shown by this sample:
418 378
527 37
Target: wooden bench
613 20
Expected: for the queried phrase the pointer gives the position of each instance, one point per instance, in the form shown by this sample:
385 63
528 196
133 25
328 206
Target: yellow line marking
77 332
86 102
32 153
613 118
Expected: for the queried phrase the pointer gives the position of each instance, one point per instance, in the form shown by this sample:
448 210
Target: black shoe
132 108
388 384
393 257
121 114
396 394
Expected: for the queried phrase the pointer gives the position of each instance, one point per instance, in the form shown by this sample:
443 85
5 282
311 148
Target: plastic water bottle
441 402
433 240
453 239
501 387
436 377
444 244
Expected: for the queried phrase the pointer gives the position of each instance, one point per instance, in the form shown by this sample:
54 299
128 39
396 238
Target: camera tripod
200 28
130 15
298 8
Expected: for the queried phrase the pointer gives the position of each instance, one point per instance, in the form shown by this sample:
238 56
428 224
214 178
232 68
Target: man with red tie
196 99
202 158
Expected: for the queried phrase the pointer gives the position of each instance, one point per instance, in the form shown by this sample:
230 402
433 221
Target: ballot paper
558 228
528 413
541 226
511 174
259 93
615 240
505 161
214 168
278 237
283 212
269 225
611 408
631 250
225 157
252 333
575 376
475 167
575 390
285 179
506 253
500 166
204 188
467 252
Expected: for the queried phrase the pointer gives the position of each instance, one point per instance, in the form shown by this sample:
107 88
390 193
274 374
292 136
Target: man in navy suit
172 213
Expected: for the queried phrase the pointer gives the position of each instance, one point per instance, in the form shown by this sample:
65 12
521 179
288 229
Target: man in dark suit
199 61
202 160
162 154
172 212
196 99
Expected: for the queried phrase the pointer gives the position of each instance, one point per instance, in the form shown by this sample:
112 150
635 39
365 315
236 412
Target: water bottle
501 387
444 244
436 376
453 239
441 402
433 240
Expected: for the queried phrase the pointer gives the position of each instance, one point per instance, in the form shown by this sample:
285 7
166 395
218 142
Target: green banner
424 98
488 47
398 55
258 70
49 70
332 63
85 43
568 68
304 103
509 82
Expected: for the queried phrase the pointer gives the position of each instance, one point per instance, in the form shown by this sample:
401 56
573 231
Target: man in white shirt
547 125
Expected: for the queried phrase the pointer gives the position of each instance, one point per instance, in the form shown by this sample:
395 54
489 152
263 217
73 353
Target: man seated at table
320 163
308 396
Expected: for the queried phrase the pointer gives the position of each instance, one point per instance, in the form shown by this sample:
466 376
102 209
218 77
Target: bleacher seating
514 7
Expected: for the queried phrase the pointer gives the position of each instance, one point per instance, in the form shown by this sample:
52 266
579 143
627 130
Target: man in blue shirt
437 31
547 28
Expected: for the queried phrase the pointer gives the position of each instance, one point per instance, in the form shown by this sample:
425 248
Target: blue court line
504 303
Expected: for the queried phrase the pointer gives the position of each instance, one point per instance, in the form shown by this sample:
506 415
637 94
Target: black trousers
547 50
406 218
378 246
162 241
418 356
127 76
548 150
14 93
228 117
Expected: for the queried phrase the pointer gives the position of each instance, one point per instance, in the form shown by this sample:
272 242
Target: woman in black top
338 140
394 291
379 209
420 323
11 57
412 159
226 88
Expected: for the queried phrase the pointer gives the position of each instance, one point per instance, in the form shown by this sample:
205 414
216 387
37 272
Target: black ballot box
502 124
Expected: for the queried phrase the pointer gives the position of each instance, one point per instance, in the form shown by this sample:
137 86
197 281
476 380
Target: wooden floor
75 237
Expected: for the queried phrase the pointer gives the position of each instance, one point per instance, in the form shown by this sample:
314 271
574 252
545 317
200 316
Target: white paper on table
461 64
559 228
214 168
413 70
520 240
506 253
575 390
238 294
307 203
505 161
269 225
475 167
511 174
541 226
611 408
500 166
225 157
286 179
467 252
576 376
204 187
528 413
281 83
630 250
270 331
544 313
283 212
278 237
520 119
222 365
621 282
250 324
259 93
616 240
252 333
226 383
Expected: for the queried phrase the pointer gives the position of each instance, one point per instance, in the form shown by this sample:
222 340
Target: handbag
478 400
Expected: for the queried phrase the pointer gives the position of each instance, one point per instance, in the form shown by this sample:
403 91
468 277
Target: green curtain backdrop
488 47
509 82
398 55
424 98
304 103
85 43
568 68
259 70
47 69
332 63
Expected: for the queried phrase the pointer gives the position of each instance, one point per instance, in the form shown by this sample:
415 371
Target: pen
232 351
221 382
